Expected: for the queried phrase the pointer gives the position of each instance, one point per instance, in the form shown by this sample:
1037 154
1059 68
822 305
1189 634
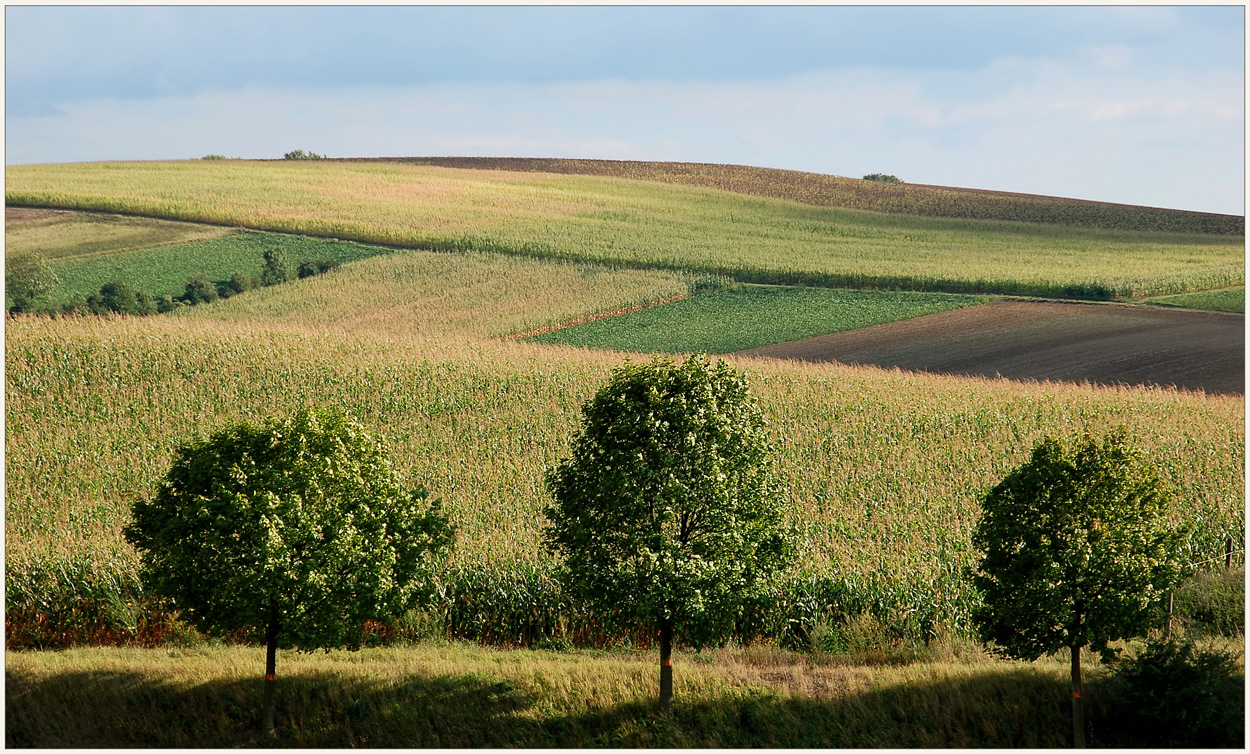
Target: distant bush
300 154
709 284
882 178
277 267
310 267
1176 695
199 290
168 303
242 282
116 296
213 157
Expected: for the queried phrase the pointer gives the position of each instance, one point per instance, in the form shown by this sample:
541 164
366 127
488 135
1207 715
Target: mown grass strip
750 316
63 236
1227 300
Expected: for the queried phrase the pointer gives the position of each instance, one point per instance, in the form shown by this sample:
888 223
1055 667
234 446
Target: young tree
299 529
1077 550
665 514
277 267
27 276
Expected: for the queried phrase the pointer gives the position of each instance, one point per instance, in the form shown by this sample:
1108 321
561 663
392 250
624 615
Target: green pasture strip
853 193
751 316
642 224
165 269
73 235
1227 300
457 696
884 470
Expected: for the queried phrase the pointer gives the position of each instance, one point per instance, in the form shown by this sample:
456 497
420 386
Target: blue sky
1143 105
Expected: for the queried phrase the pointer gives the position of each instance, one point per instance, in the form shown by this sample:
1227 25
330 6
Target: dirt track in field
14 216
1101 343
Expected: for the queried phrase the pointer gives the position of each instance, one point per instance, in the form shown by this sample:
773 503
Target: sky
1139 105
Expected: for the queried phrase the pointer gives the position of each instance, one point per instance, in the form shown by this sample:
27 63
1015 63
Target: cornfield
641 224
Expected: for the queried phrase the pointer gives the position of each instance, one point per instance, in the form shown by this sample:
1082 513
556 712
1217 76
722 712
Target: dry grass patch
65 236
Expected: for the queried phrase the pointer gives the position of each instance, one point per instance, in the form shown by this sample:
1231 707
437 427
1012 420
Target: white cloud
1096 126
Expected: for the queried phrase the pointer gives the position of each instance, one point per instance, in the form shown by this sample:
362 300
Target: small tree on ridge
665 513
1077 551
297 529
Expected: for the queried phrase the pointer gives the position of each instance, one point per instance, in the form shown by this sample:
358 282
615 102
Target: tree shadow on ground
126 709
1016 707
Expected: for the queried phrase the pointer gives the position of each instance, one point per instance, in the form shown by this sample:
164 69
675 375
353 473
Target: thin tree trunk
1078 714
271 656
666 667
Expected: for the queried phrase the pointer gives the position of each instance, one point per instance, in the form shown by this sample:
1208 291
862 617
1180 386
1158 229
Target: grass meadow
752 315
641 224
458 696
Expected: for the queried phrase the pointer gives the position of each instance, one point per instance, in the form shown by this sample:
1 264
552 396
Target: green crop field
642 224
1225 300
165 269
750 316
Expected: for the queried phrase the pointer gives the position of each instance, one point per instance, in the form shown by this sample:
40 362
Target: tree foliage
200 290
277 267
665 514
1077 549
27 276
303 518
882 178
117 296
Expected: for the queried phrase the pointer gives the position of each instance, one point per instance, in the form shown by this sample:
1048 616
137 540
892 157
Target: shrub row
80 602
118 297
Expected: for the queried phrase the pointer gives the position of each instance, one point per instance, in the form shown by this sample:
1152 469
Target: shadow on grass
1014 707
120 709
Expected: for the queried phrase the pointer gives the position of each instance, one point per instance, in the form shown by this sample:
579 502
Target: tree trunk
271 656
1078 714
666 667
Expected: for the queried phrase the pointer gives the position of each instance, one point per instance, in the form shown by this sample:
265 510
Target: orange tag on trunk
270 677
1076 695
666 663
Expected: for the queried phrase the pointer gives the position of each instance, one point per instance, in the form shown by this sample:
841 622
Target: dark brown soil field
1101 343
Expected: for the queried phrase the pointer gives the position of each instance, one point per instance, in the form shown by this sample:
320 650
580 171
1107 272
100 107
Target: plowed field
1101 343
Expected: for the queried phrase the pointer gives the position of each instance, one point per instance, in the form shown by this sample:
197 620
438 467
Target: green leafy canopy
302 516
1077 549
666 511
